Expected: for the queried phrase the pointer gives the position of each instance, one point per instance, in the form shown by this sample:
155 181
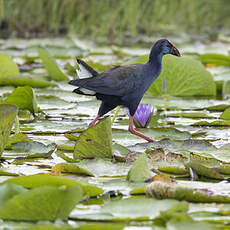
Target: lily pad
96 141
140 171
147 208
184 76
51 67
23 98
34 181
193 191
16 138
226 114
7 118
34 148
216 59
22 81
43 203
71 168
7 67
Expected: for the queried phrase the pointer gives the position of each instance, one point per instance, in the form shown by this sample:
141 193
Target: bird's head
164 46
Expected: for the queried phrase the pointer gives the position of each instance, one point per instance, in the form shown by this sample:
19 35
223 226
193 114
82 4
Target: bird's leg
94 121
133 131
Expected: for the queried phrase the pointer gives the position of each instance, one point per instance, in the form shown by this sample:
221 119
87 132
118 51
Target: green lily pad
34 148
7 67
16 138
7 118
147 208
184 76
22 81
226 114
101 226
188 225
51 67
216 59
71 168
23 98
140 171
43 203
34 181
226 89
96 141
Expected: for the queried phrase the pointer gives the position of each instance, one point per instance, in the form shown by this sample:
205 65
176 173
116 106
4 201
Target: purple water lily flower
142 115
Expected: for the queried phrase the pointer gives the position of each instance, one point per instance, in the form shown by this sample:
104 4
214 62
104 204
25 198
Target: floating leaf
216 59
7 117
71 168
192 191
96 141
147 208
140 171
225 114
43 203
7 67
185 77
23 98
51 67
22 81
34 181
34 148
16 138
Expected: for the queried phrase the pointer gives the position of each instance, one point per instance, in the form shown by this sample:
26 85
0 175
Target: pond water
186 118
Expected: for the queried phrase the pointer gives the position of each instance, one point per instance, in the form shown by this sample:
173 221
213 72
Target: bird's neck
155 59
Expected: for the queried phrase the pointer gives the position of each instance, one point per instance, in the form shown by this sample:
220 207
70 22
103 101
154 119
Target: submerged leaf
23 98
96 141
51 67
7 117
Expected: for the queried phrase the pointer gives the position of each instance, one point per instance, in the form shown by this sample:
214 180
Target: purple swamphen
123 85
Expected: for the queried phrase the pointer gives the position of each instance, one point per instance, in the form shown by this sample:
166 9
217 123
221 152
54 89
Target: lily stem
115 114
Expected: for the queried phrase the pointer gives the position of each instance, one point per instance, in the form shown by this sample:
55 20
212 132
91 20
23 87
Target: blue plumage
124 85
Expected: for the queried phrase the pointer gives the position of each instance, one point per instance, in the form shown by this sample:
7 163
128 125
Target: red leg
133 131
94 121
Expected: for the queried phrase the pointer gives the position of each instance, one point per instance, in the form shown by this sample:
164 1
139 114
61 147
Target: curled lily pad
192 191
22 81
226 114
140 171
71 168
23 98
51 67
96 141
7 118
7 67
43 203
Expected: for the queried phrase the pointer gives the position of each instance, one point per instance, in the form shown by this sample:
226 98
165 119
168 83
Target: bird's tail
84 72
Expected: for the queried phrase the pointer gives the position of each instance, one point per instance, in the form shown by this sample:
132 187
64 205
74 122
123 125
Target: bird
123 85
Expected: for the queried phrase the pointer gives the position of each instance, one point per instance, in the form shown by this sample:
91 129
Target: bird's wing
116 81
